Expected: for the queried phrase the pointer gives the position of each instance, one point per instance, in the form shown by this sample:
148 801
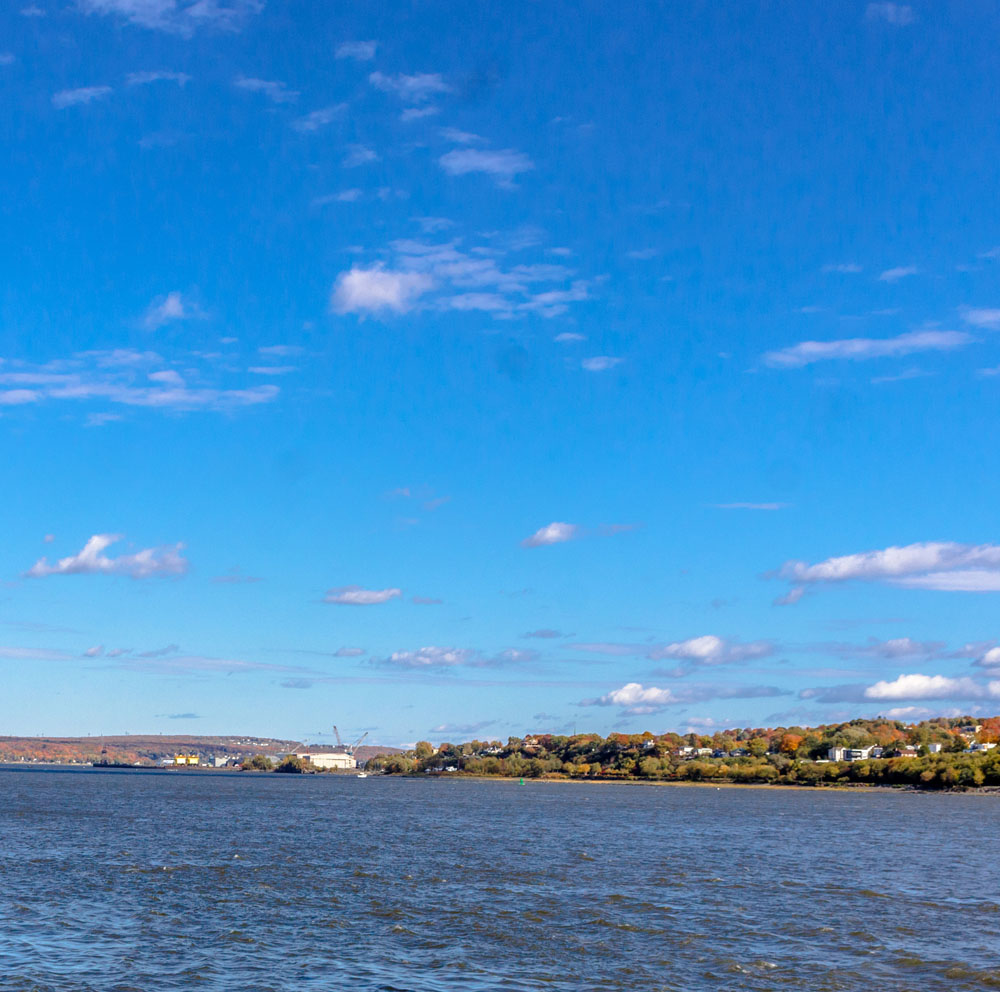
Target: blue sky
453 370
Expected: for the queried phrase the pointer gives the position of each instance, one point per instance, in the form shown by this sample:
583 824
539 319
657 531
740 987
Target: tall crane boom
340 743
357 743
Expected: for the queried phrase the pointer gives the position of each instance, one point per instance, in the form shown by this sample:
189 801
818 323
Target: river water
118 881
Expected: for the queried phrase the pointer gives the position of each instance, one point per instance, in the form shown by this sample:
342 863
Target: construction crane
347 748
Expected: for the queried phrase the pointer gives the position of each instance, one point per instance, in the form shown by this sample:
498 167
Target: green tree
258 763
292 764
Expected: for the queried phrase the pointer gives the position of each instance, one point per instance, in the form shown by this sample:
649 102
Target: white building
837 753
335 760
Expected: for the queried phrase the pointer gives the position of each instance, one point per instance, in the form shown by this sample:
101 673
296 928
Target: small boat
362 774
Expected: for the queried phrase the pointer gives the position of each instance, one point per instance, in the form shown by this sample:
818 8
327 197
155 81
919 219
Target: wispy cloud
318 119
899 272
897 14
357 596
986 317
358 155
504 165
123 377
157 76
360 51
80 96
554 533
273 90
543 633
434 657
707 651
636 699
845 268
377 290
600 363
862 349
168 309
417 88
91 560
938 565
182 17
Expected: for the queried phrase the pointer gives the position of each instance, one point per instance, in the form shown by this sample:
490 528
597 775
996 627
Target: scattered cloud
847 268
503 165
163 652
358 155
897 14
433 657
360 51
939 565
169 309
319 118
94 652
356 596
708 651
985 317
457 137
91 560
182 17
907 687
899 272
569 337
157 76
635 699
81 95
180 716
543 633
418 88
377 289
349 652
418 113
273 90
862 349
600 363
554 533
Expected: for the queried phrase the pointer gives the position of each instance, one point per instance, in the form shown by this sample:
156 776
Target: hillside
150 748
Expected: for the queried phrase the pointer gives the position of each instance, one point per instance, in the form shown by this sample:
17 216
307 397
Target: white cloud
91 560
124 377
986 317
377 289
899 272
273 90
167 309
181 17
94 652
711 650
554 533
931 687
432 657
417 88
897 14
504 164
939 565
457 137
418 113
569 337
81 95
862 349
637 699
846 268
319 118
358 155
553 303
360 51
145 78
600 363
356 596
990 660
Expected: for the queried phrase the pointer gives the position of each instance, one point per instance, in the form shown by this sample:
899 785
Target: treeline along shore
942 753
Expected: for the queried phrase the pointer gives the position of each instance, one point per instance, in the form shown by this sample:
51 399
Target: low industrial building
327 760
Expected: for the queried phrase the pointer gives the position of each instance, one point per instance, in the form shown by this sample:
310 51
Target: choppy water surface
130 881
